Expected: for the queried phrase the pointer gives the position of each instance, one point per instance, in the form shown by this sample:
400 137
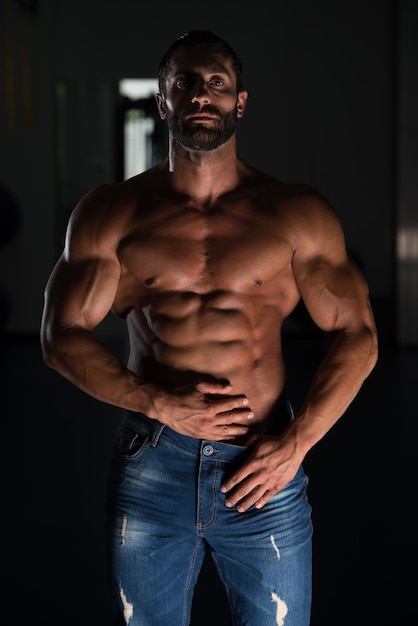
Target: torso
205 290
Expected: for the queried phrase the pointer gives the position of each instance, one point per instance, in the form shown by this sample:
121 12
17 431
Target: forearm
336 383
87 363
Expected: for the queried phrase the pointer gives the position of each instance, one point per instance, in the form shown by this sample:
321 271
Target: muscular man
205 257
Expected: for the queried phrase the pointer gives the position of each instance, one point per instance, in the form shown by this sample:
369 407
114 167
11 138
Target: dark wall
321 111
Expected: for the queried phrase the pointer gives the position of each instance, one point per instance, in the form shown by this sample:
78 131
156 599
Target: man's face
201 105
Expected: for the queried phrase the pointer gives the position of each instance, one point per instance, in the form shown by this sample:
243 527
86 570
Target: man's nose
201 95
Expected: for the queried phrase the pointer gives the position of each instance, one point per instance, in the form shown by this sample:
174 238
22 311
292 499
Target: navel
258 282
149 281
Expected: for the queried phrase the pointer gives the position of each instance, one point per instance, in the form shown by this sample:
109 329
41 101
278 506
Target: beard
198 137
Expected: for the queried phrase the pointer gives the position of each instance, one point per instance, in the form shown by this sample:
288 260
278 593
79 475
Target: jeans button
208 450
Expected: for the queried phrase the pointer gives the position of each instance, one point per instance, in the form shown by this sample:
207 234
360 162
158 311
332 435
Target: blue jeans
165 509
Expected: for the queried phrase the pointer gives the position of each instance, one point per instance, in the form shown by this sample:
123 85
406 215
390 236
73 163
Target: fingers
209 419
229 413
203 412
234 423
226 425
257 481
248 492
258 496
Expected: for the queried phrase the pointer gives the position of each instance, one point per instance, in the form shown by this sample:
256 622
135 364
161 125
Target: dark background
333 100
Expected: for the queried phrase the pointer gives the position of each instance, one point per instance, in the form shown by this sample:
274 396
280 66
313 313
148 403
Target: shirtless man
205 257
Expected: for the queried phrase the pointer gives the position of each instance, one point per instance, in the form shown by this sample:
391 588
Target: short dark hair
195 38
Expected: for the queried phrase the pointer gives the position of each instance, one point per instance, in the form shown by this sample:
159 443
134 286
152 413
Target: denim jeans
165 509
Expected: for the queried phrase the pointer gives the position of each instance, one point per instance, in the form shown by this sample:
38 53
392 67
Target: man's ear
241 103
159 98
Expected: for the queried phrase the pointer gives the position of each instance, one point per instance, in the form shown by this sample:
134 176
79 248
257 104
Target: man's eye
217 82
182 84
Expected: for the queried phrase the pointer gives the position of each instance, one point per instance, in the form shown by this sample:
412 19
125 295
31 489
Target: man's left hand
271 466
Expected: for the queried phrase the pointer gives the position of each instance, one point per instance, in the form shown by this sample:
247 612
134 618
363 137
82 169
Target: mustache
207 108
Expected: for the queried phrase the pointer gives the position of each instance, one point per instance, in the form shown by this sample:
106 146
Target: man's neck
204 176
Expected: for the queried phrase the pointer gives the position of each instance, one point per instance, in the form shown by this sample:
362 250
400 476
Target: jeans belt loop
156 435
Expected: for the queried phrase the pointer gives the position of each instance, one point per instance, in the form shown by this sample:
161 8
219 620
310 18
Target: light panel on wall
138 125
138 88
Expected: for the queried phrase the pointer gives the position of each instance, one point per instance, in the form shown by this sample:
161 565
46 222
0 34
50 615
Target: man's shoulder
309 218
300 210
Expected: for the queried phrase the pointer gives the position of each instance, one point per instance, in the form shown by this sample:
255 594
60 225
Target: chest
190 249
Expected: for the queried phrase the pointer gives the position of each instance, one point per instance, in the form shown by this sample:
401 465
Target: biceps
335 296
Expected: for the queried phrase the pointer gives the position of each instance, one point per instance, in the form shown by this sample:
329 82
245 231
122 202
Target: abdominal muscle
185 338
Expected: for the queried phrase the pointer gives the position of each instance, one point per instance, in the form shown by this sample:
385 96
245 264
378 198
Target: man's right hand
204 411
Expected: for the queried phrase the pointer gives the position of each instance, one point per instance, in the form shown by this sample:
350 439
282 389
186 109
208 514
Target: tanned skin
205 257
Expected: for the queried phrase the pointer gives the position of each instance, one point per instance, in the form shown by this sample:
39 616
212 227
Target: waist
160 433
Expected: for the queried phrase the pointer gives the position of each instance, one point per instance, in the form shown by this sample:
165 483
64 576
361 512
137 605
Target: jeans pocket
129 444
